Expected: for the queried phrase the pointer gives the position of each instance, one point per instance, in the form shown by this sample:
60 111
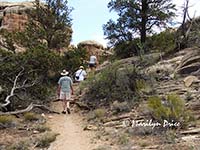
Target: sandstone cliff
13 15
94 48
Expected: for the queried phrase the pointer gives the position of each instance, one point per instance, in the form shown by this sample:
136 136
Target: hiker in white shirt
80 74
93 62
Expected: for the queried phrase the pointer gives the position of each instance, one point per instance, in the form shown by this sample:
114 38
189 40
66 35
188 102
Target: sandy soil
70 127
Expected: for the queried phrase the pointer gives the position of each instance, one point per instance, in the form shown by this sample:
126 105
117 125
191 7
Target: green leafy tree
49 24
137 17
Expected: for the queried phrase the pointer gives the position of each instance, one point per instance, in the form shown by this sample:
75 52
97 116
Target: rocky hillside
179 74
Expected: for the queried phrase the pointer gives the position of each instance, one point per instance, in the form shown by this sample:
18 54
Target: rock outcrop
190 64
13 15
178 74
94 48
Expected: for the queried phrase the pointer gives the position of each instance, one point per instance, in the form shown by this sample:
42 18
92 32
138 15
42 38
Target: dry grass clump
45 140
30 116
21 145
41 128
6 119
100 113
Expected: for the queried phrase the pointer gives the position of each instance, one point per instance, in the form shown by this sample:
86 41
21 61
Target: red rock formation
92 48
13 16
14 22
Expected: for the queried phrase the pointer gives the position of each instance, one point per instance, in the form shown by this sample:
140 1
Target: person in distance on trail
93 62
65 90
80 74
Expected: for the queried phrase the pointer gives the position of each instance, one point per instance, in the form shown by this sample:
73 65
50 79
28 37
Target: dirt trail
70 128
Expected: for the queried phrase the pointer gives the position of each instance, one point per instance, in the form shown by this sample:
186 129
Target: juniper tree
50 22
137 17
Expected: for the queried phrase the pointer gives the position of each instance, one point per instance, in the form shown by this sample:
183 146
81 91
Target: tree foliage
73 58
164 41
137 18
7 40
39 65
50 24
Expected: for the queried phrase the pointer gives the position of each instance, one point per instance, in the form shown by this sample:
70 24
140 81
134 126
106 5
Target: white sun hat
64 73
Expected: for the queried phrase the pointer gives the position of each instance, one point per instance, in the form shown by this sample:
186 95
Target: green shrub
171 109
45 140
41 128
159 111
99 113
29 116
116 82
6 119
123 139
140 85
170 137
22 145
144 143
118 107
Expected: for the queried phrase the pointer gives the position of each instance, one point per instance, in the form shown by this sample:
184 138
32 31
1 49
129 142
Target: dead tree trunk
185 27
29 108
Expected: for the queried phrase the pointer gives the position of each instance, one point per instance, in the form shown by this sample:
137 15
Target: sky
89 16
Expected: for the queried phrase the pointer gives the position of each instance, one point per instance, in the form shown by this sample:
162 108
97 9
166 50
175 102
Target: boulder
94 48
91 43
189 80
190 64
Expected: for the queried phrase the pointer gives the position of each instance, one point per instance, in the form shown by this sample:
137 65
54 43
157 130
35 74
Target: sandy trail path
70 128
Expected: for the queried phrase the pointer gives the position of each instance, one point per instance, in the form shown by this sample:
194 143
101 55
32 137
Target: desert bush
41 128
115 82
118 107
103 147
6 120
22 145
170 137
45 140
123 139
144 143
171 109
99 113
30 116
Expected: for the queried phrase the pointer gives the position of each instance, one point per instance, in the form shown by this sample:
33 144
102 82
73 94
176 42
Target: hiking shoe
68 111
63 112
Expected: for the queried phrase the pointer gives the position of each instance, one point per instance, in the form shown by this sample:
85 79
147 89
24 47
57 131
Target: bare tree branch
29 108
16 87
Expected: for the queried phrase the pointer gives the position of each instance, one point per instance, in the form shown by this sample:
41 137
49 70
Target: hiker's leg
63 98
68 104
68 97
64 105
